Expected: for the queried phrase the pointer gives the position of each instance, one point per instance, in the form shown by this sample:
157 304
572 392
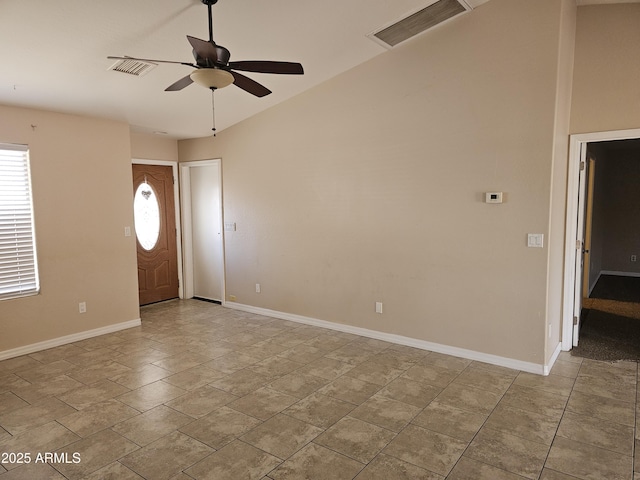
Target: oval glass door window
146 213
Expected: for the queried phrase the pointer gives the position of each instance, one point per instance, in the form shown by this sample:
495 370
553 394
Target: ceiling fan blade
205 50
180 84
265 66
150 60
249 85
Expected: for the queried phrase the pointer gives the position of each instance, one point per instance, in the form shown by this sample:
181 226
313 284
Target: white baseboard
401 340
552 360
619 274
56 342
611 272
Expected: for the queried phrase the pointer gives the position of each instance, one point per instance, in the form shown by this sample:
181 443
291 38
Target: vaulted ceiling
54 54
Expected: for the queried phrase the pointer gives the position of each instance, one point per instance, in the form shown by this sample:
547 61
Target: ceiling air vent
133 67
419 22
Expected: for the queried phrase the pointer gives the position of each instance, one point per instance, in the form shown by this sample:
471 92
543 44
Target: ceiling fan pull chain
213 110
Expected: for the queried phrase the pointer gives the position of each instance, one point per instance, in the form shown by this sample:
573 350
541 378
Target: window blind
18 261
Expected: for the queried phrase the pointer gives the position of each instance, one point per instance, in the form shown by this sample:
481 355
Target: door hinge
582 165
575 320
578 244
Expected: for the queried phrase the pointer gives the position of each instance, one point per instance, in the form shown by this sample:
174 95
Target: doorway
580 278
201 200
156 233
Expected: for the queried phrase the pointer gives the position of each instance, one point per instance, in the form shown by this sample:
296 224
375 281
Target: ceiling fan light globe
212 77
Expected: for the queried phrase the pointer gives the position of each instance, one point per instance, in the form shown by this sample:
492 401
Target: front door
155 224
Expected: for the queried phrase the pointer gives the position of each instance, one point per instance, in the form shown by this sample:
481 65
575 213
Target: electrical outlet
378 307
257 288
82 307
634 258
232 298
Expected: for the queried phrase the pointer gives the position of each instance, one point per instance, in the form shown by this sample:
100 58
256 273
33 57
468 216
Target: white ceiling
54 54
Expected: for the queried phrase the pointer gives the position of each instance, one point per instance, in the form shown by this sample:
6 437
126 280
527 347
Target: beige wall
558 178
606 92
81 174
153 147
370 187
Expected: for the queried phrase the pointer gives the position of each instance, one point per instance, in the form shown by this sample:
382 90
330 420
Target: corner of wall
560 156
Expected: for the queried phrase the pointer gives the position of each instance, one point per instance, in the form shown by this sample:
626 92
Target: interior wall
370 187
82 195
153 147
606 90
558 179
621 202
606 93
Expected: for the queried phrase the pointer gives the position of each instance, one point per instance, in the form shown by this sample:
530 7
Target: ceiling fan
214 70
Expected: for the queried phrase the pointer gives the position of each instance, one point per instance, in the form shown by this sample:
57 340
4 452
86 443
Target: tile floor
203 392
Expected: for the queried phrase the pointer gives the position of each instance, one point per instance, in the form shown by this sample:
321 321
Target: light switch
229 226
535 240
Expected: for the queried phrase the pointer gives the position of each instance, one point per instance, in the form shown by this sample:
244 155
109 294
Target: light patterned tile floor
203 392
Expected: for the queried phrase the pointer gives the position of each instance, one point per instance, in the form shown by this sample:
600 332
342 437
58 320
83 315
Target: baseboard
76 337
209 300
614 273
620 274
552 360
591 287
398 339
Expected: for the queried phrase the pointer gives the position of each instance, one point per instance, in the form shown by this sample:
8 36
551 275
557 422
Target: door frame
187 246
574 217
176 200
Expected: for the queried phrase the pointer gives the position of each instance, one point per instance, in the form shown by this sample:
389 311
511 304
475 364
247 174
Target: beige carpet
615 307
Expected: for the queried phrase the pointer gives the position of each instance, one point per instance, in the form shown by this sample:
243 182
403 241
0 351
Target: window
146 214
18 262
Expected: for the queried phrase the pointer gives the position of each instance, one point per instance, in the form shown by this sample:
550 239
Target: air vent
133 67
419 22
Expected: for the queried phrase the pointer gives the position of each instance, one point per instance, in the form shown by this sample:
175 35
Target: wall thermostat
493 197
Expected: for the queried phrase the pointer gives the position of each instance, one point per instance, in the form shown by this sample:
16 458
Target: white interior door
202 216
577 294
